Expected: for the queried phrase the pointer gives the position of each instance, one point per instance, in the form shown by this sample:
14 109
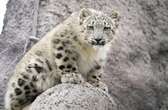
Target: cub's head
99 28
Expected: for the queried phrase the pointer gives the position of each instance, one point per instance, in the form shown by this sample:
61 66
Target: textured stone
74 97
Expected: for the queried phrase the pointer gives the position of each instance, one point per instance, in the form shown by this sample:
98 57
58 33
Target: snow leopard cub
73 52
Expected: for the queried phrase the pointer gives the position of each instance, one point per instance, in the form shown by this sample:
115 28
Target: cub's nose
98 40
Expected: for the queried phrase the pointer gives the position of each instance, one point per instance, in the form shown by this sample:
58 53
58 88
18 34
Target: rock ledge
74 97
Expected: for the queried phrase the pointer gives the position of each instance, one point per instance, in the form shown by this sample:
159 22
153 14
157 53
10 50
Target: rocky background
137 68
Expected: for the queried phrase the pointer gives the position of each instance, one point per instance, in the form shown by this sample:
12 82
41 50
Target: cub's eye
107 28
90 27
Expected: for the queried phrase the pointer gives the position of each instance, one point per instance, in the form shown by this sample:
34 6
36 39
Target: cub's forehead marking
99 19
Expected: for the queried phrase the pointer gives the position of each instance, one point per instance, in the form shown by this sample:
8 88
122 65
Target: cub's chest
92 57
86 64
88 59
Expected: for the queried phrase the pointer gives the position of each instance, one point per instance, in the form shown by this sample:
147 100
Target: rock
74 97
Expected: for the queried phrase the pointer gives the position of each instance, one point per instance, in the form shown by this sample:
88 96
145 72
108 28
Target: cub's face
99 28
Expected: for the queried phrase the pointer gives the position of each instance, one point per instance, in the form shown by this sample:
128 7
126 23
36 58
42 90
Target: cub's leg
20 92
94 78
66 58
25 86
69 69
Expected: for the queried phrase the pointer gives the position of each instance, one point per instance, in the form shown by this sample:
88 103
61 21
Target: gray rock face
74 97
137 68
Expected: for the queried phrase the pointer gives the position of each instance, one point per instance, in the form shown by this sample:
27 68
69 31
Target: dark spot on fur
27 87
97 85
27 93
25 76
39 60
43 77
69 66
68 51
75 38
29 66
66 59
67 71
21 101
58 55
32 85
28 70
65 43
75 82
73 69
61 67
18 91
21 82
38 53
113 31
30 97
38 68
34 78
94 76
73 58
16 105
62 35
11 95
49 65
60 48
35 90
97 67
56 41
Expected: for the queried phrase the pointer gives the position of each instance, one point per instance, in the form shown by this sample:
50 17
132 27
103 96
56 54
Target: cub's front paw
100 85
73 78
103 86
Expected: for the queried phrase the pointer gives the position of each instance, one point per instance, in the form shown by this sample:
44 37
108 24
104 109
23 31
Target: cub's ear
83 14
115 15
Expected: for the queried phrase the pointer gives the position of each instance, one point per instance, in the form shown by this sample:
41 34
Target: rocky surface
137 68
74 97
